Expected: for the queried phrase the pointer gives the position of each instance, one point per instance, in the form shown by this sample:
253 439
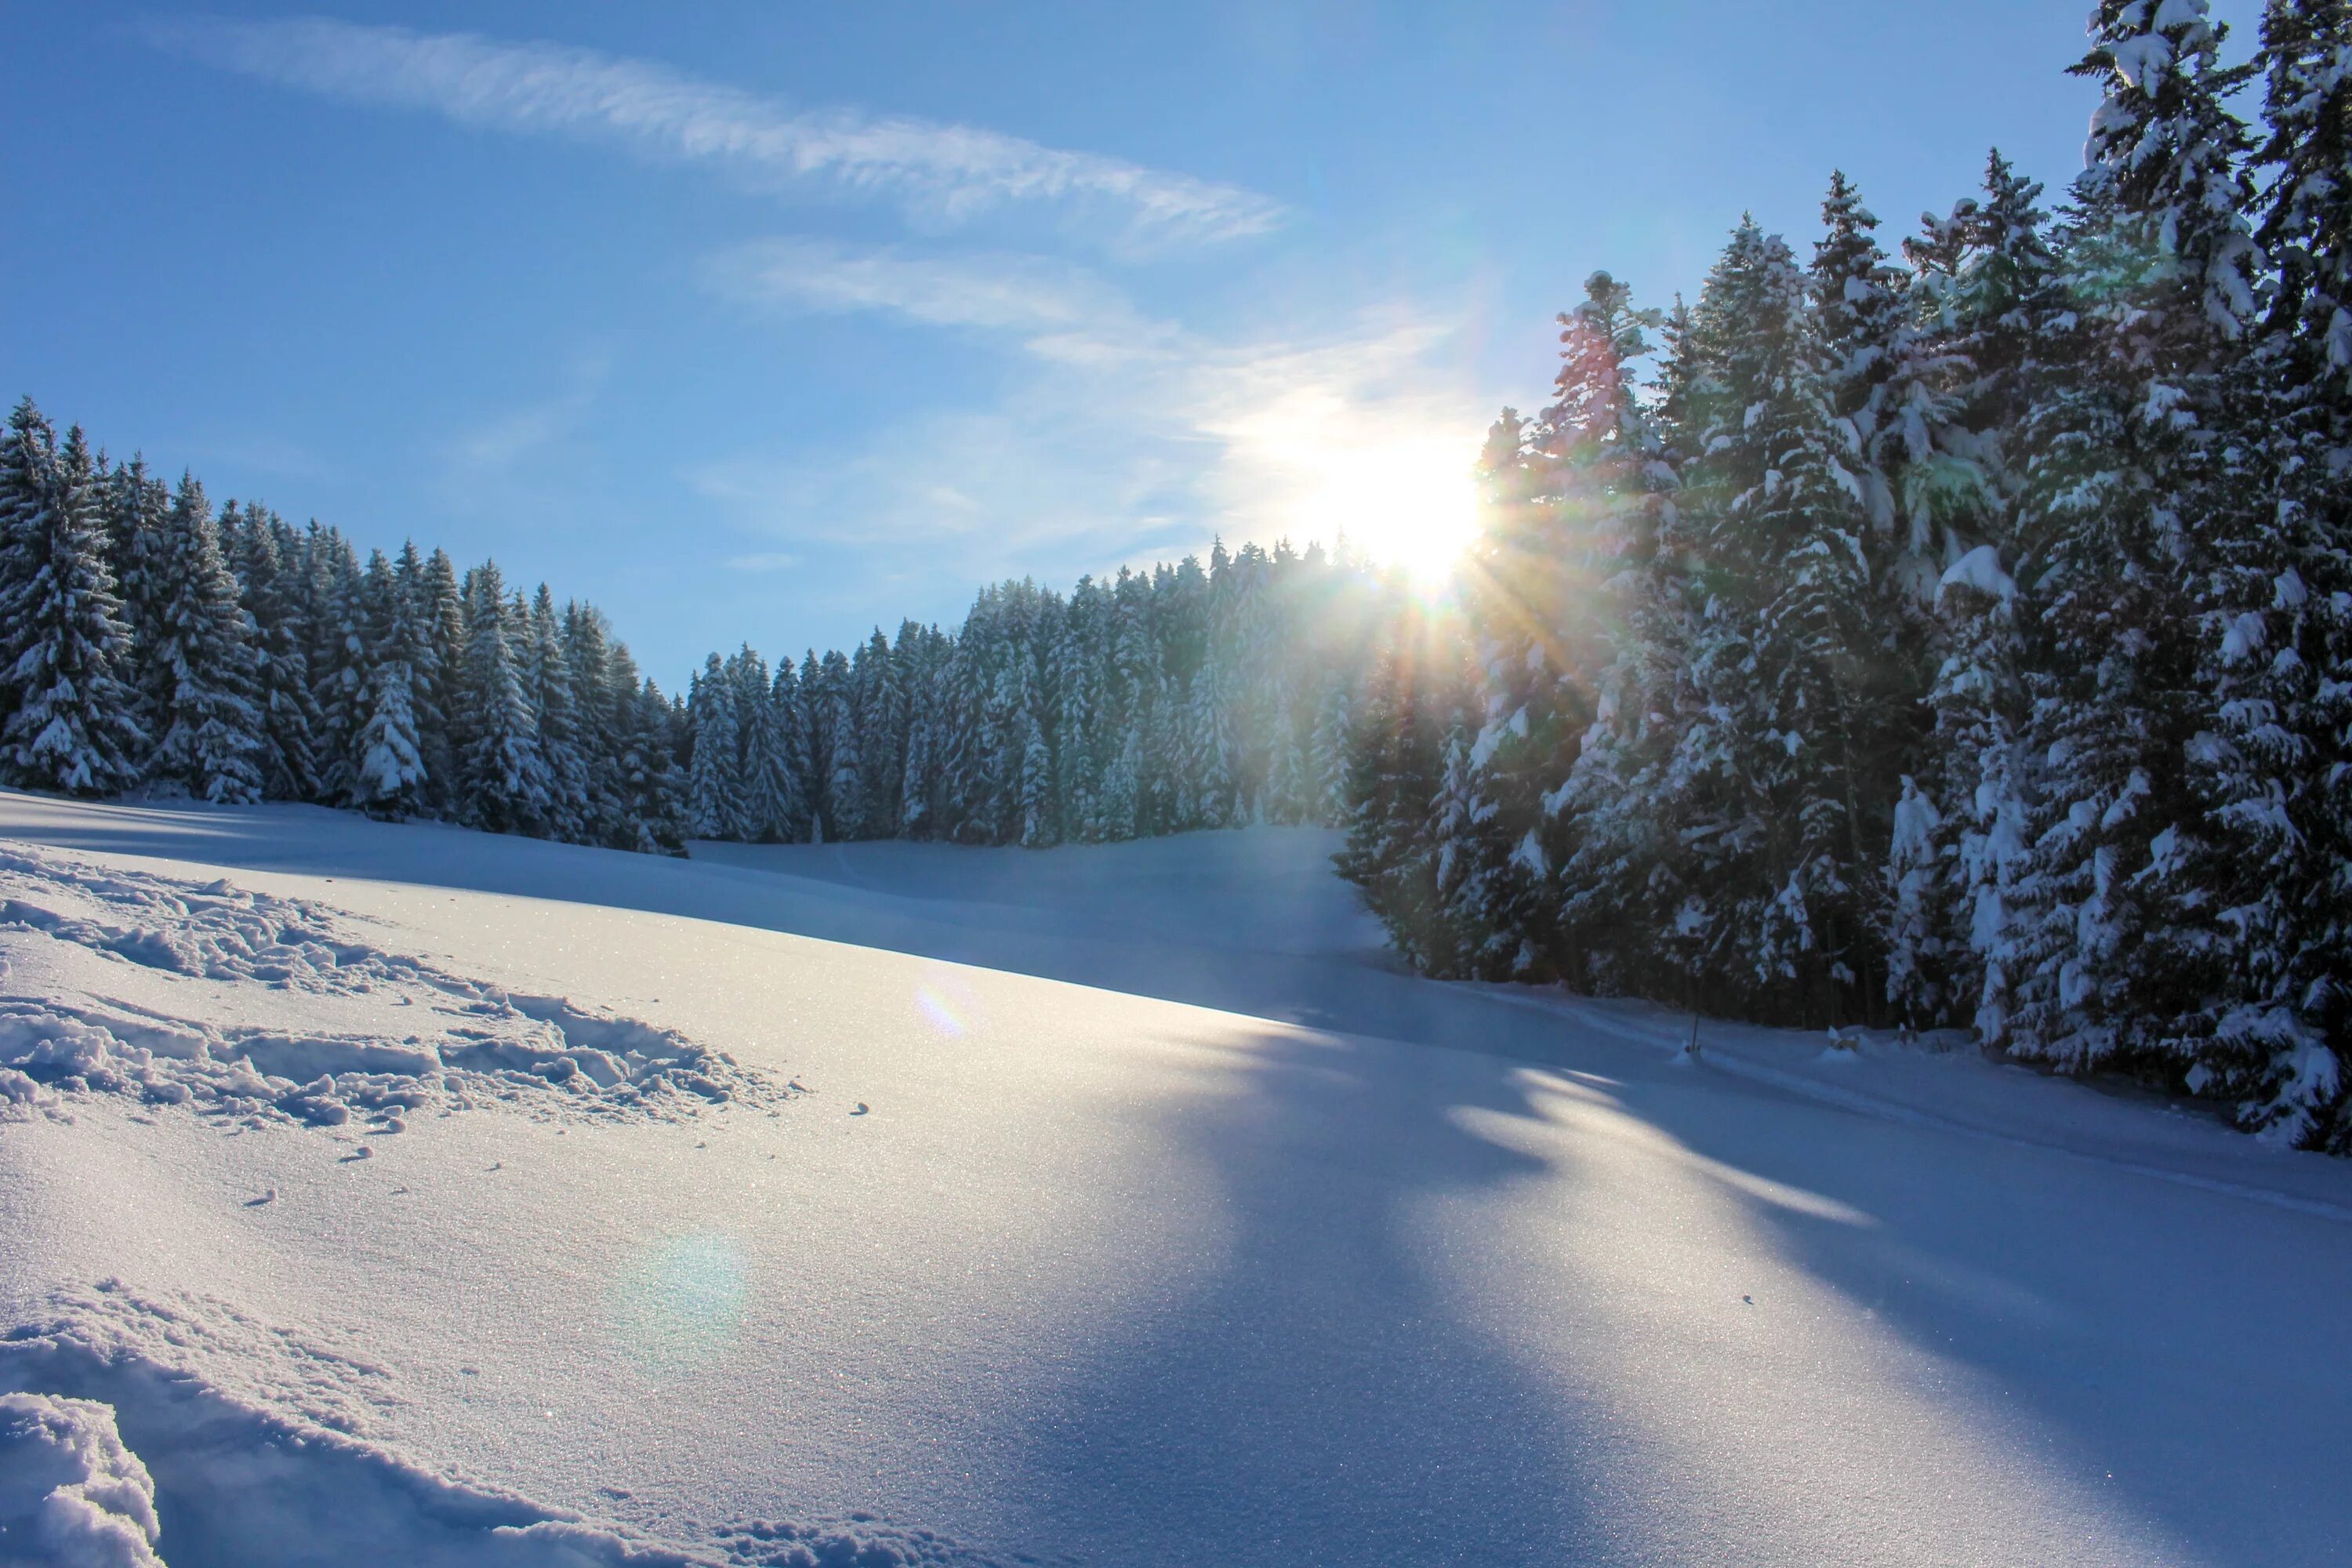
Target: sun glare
1409 502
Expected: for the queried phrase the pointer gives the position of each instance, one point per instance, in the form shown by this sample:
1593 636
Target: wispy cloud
950 170
1061 312
504 439
1157 437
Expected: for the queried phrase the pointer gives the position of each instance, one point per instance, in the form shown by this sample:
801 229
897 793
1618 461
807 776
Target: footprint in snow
499 1165
860 1111
362 1152
267 1196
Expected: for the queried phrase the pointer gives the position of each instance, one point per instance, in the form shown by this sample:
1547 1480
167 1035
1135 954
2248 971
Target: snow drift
406 1036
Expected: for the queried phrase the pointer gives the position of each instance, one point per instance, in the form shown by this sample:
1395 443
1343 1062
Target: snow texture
71 1494
340 1029
1314 1261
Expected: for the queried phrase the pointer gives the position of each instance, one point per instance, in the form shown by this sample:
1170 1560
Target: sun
1408 500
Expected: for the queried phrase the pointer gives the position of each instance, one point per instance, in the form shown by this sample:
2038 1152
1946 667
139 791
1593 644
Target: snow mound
255 1433
301 1020
71 1495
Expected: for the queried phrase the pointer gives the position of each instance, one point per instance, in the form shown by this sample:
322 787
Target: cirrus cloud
949 170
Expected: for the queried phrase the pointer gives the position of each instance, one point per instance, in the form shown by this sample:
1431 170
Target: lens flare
678 1308
945 999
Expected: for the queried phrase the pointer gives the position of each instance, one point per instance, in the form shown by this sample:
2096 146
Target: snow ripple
482 1045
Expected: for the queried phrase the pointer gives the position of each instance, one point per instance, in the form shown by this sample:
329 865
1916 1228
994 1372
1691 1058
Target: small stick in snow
269 1195
860 1111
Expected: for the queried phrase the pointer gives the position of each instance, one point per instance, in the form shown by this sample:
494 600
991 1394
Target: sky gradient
805 318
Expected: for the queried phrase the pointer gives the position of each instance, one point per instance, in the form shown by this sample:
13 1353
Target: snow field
1461 1275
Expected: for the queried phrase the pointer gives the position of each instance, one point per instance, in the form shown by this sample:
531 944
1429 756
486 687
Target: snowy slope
938 1262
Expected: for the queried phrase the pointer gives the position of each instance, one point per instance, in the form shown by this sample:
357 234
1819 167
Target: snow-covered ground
376 1193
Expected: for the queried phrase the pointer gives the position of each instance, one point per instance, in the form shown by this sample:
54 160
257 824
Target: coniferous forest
1957 643
1950 643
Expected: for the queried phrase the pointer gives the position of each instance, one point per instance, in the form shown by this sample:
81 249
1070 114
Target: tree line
146 640
149 641
1955 643
1158 702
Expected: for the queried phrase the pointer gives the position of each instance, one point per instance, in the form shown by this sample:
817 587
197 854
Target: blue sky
800 317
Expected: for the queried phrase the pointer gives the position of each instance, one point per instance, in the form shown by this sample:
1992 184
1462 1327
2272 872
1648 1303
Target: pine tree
273 601
845 791
138 507
502 778
881 732
2273 772
441 613
342 679
652 788
2130 476
70 722
715 803
200 669
386 770
547 675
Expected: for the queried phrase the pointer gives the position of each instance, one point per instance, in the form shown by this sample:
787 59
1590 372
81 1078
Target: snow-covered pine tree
502 779
881 696
2129 484
788 704
137 505
547 675
2274 774
1774 788
342 679
1211 796
200 669
1040 813
714 792
1416 712
1328 755
386 770
271 593
769 794
70 721
441 611
588 659
845 791
1081 658
652 786
1991 283
1558 499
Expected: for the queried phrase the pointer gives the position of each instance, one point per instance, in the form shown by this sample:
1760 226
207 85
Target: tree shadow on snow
1304 1392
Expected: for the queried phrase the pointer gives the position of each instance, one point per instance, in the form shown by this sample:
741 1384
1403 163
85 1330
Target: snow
1243 1249
311 1045
1981 569
71 1494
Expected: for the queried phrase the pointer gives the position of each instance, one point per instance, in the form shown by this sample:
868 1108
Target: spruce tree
502 778
138 506
547 674
715 803
200 667
273 600
70 722
387 771
2129 484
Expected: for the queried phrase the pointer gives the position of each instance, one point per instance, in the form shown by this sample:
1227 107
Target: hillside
901 1203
